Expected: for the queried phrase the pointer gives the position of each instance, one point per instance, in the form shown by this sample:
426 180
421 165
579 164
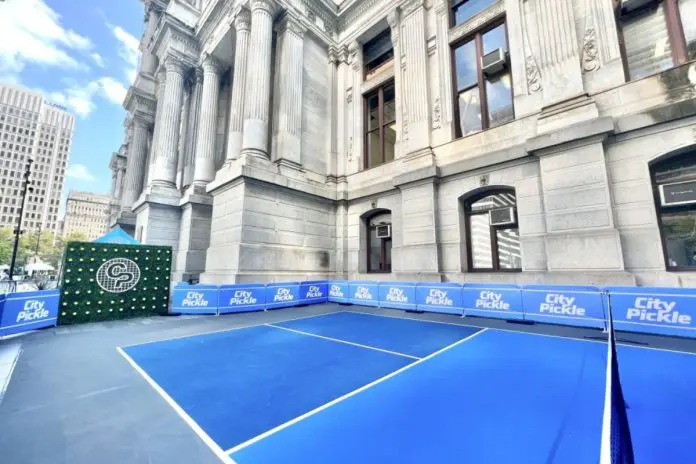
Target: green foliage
84 300
49 251
6 243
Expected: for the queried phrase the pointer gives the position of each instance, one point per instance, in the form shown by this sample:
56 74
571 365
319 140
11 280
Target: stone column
354 101
136 164
242 24
342 113
192 126
119 182
258 80
415 93
332 114
148 61
444 56
161 86
394 23
183 129
167 135
204 166
288 95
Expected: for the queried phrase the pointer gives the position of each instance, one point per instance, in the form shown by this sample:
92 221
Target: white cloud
98 59
113 90
128 50
80 172
31 32
79 98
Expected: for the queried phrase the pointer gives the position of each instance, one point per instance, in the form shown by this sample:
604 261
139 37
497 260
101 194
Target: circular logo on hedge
118 275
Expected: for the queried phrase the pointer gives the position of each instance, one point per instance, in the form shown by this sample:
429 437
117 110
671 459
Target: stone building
86 212
474 140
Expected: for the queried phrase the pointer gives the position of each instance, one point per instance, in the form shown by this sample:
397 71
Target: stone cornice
488 15
140 105
174 39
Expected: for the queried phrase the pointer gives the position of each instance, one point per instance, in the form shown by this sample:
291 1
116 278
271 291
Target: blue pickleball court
359 388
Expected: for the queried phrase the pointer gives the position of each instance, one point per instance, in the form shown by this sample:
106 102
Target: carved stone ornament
533 74
211 64
590 53
349 94
174 65
410 6
436 113
265 5
404 122
349 148
292 24
243 20
486 16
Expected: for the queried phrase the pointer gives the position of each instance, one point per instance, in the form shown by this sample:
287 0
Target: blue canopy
117 235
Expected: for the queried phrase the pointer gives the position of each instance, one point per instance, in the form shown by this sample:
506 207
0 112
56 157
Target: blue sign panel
567 305
364 293
195 299
502 301
439 298
20 312
282 295
241 297
666 311
339 291
398 295
315 291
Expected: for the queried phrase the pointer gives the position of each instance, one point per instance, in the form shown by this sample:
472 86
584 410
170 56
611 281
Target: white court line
347 395
338 340
178 337
196 428
628 345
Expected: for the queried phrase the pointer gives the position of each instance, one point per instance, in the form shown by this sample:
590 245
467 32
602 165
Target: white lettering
283 294
557 303
396 295
314 292
491 300
242 297
438 298
33 310
656 310
195 299
336 291
363 293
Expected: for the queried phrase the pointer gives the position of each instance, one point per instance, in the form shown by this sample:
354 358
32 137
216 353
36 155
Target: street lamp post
18 230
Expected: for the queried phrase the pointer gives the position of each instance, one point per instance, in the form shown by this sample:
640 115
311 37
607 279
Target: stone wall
315 91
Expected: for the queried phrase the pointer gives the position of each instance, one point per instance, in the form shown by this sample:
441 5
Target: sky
83 55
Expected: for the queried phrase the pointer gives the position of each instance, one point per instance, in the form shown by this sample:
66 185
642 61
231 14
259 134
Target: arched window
379 242
492 234
674 187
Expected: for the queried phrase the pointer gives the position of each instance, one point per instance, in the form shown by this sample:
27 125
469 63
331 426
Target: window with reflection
380 126
378 54
463 10
379 242
483 81
656 35
674 184
492 234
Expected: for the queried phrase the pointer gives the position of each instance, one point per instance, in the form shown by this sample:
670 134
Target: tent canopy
117 235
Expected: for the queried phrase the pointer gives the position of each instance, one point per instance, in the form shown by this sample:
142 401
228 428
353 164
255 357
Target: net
616 435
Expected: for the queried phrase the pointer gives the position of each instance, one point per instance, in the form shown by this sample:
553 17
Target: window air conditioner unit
501 216
493 62
384 231
678 193
629 6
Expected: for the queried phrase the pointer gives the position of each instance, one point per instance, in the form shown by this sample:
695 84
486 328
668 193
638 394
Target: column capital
393 18
269 6
333 54
139 122
291 23
343 54
353 51
210 64
161 75
175 65
243 20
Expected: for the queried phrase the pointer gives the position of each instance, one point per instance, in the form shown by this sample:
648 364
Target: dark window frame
466 205
477 37
381 125
659 209
383 244
369 66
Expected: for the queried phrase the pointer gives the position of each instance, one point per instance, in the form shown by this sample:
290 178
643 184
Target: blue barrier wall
241 297
581 306
439 298
364 293
195 299
20 312
282 295
665 311
314 291
501 301
398 295
339 291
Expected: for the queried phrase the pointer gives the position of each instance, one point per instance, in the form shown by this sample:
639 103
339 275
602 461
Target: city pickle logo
656 310
283 294
336 291
118 275
195 299
363 293
242 297
314 292
438 298
491 300
556 303
396 295
33 310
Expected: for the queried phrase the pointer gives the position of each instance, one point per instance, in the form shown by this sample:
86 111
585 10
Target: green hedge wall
97 282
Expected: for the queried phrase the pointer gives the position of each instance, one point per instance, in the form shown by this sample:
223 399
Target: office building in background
86 212
32 128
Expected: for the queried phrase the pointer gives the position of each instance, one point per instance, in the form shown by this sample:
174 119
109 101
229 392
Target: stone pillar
148 61
167 135
183 129
415 90
161 86
242 25
442 12
332 114
394 23
354 128
192 126
258 80
204 166
288 94
136 164
119 182
342 113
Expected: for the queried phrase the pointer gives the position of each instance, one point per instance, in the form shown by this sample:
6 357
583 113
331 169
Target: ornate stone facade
246 142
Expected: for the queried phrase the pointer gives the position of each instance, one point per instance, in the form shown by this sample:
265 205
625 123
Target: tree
6 244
